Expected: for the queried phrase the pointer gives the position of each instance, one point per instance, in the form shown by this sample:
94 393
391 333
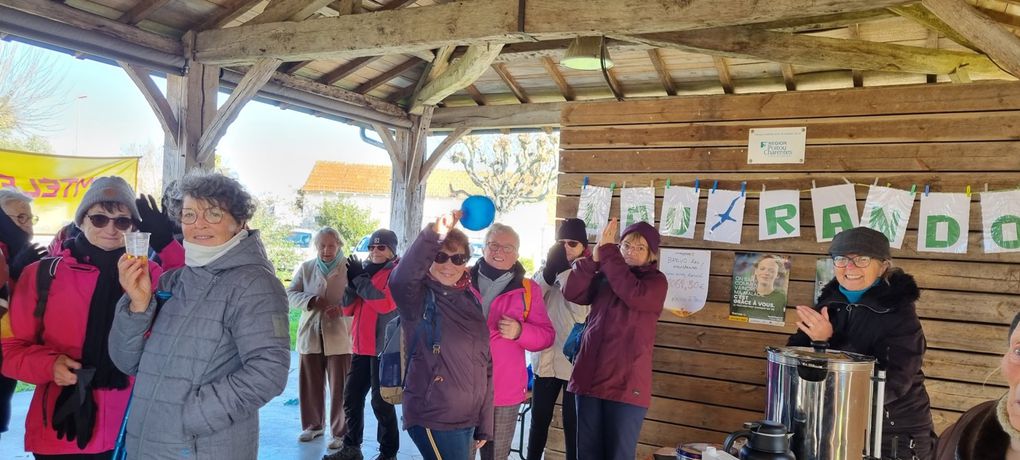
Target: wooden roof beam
476 95
856 76
466 22
499 116
345 69
789 77
724 74
458 75
288 10
799 49
141 11
386 76
660 68
157 101
552 68
229 12
1001 45
257 76
511 83
921 15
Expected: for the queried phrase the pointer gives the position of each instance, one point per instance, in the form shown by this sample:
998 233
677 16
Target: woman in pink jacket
80 396
517 321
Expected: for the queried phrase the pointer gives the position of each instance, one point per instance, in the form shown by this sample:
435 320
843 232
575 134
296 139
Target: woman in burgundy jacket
613 370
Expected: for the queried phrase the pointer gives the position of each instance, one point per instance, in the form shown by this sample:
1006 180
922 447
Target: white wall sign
724 216
1000 218
776 145
593 209
835 209
637 204
687 272
944 223
888 210
679 212
779 214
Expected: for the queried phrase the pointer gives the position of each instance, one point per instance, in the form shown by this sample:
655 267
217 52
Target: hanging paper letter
888 210
835 209
724 216
593 208
679 212
1000 217
779 214
637 204
944 223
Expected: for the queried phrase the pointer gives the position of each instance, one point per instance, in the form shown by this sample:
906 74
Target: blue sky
272 150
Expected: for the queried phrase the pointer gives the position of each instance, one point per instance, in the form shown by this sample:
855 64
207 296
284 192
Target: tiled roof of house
364 179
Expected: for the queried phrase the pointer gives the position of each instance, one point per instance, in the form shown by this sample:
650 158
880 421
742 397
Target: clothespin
927 189
876 182
968 191
888 184
743 188
986 187
697 185
813 183
762 188
913 189
624 184
612 185
667 183
652 185
715 185
584 185
847 180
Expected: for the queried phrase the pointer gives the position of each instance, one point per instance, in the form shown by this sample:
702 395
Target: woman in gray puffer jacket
212 347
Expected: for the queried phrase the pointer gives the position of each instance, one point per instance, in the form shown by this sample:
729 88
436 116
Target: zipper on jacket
45 398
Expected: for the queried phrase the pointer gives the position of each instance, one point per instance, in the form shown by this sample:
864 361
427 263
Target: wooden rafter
476 95
662 71
441 149
855 74
338 94
430 27
141 11
725 79
403 93
932 41
458 75
229 11
257 76
288 10
789 77
386 76
157 102
346 6
799 49
499 116
392 148
553 70
511 83
921 15
989 36
345 69
291 68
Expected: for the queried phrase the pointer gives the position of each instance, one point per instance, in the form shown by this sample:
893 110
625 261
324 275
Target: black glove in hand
28 255
154 222
12 235
555 263
74 415
354 268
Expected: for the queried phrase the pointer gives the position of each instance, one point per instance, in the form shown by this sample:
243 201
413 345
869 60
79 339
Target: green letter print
675 228
931 240
998 235
835 220
884 224
773 219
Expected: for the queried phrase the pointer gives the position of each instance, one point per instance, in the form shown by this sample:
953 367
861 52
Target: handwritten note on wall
687 271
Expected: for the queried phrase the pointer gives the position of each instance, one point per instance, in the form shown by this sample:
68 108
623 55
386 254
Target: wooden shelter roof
386 55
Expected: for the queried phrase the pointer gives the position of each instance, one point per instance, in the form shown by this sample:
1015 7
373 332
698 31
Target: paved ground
280 426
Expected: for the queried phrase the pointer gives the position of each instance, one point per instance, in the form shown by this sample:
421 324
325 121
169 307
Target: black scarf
489 271
372 269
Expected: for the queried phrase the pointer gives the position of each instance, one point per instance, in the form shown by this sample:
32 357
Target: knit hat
385 237
573 229
862 241
109 188
645 230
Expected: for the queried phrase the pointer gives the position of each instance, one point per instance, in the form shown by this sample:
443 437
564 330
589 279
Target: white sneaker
309 435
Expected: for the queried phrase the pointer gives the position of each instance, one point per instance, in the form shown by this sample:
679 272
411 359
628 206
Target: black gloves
74 416
555 263
154 222
28 255
354 268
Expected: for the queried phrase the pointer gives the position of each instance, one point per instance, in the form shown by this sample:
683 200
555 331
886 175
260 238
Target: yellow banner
57 183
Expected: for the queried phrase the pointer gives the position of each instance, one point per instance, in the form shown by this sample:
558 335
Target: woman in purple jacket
613 369
448 387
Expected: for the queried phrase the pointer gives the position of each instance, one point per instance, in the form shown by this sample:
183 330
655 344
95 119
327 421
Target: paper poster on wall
776 145
888 210
944 223
779 214
679 212
1000 219
724 216
687 272
835 209
593 209
758 291
825 271
637 204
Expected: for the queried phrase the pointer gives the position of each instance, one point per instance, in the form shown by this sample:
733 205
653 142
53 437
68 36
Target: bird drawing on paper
725 215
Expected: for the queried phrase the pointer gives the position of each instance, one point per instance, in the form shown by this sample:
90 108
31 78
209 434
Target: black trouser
364 376
100 456
6 392
543 401
909 446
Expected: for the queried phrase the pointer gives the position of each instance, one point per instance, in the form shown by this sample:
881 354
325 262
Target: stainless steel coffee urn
824 397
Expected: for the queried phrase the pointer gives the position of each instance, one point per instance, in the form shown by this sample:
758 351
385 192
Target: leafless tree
512 169
30 100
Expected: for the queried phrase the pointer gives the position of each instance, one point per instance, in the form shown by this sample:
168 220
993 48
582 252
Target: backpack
43 280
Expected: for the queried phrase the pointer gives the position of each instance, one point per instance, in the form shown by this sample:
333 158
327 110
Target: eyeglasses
210 215
859 261
570 243
457 259
24 219
120 223
378 247
496 247
627 247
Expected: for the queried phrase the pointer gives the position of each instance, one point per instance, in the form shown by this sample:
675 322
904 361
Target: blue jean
607 429
443 445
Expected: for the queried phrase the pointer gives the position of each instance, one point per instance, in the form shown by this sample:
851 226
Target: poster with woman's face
759 287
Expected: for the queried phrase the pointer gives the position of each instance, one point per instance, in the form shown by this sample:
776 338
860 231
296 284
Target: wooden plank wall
709 372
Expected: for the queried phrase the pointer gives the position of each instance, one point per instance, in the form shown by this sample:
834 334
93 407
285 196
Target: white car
361 250
302 240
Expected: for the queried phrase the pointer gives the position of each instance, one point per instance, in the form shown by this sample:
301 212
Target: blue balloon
479 212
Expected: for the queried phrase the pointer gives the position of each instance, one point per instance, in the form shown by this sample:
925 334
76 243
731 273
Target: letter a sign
835 209
1000 217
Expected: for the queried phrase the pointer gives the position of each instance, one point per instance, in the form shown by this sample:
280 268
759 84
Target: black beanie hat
384 237
573 229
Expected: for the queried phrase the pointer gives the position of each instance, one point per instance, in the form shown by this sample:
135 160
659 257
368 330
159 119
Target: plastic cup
136 244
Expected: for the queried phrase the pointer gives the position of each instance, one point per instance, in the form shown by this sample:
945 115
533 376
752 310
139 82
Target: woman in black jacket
868 308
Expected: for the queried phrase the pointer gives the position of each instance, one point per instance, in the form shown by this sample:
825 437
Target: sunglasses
457 259
571 243
121 223
378 247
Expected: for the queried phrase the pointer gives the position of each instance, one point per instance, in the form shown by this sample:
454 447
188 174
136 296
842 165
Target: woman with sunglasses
447 401
213 346
80 395
868 308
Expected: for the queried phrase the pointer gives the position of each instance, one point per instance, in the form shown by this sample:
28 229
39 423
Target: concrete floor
279 427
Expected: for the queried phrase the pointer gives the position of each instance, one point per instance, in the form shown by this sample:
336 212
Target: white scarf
196 255
1002 414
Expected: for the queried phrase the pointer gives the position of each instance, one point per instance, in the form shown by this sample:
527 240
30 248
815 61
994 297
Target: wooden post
192 99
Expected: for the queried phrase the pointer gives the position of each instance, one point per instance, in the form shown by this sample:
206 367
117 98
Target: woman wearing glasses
213 346
80 396
447 401
868 308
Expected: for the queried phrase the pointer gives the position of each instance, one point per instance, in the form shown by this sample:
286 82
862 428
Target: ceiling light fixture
587 53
